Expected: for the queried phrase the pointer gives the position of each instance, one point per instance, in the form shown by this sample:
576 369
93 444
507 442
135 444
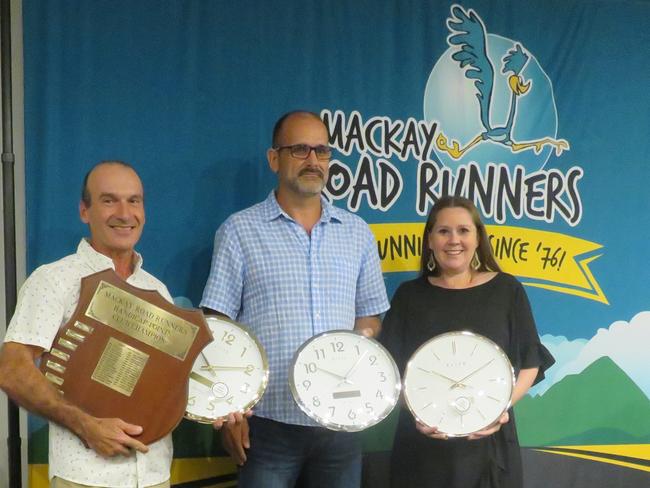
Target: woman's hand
496 426
431 432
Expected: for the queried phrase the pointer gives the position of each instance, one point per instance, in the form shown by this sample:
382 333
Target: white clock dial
459 382
344 381
229 375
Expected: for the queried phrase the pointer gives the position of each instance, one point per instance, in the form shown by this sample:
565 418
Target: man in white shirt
85 450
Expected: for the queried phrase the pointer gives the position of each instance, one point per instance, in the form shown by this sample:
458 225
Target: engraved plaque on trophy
127 353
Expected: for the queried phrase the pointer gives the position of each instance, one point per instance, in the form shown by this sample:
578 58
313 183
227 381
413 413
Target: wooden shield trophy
127 353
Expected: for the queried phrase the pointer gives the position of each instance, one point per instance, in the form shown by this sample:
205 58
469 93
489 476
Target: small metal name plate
137 318
120 366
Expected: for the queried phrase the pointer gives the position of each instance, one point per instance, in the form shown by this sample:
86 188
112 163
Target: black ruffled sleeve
529 350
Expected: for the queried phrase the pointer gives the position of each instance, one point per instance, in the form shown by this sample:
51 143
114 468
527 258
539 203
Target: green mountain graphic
601 405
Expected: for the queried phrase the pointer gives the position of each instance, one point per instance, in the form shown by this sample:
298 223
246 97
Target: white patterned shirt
45 303
269 274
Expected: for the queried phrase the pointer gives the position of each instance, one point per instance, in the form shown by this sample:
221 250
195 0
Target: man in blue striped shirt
289 268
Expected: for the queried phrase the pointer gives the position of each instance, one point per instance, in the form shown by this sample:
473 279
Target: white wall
19 170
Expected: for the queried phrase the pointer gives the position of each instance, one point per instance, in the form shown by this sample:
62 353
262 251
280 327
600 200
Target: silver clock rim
458 333
260 390
334 425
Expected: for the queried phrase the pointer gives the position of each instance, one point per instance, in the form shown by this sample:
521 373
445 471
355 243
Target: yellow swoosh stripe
601 459
640 451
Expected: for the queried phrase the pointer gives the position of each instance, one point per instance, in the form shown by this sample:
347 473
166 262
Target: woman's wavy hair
484 250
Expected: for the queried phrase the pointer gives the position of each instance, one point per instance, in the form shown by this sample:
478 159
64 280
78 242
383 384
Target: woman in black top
461 288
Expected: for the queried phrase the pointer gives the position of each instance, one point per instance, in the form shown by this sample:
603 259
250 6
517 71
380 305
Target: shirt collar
272 210
99 261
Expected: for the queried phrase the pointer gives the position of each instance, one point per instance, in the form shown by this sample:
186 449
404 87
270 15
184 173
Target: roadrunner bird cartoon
468 33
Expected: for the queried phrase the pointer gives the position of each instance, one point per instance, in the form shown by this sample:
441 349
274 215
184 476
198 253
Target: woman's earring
431 263
475 262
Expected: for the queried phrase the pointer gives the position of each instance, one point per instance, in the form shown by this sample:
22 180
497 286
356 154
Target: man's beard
309 187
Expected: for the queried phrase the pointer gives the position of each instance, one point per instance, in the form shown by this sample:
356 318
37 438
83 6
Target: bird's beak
517 85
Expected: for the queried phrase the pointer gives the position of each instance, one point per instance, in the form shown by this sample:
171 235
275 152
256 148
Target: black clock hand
332 373
354 366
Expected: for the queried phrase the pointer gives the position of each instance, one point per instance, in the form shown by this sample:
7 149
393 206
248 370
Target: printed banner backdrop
538 111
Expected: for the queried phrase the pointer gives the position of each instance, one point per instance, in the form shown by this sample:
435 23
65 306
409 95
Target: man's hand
234 437
27 386
231 418
368 326
110 437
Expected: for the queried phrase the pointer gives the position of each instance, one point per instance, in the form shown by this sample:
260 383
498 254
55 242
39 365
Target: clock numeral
211 405
344 363
191 401
310 368
229 400
249 369
243 352
228 338
245 388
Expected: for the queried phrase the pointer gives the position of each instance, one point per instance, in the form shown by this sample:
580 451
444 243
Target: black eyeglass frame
293 147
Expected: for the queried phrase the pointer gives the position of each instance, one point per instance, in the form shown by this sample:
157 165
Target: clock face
344 381
459 382
229 375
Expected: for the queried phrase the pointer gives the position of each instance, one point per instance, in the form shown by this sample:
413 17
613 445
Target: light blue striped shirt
269 274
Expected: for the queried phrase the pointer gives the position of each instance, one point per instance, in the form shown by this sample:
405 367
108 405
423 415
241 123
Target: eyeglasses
302 151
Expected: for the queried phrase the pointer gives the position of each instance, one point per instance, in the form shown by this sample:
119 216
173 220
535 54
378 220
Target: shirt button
317 315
